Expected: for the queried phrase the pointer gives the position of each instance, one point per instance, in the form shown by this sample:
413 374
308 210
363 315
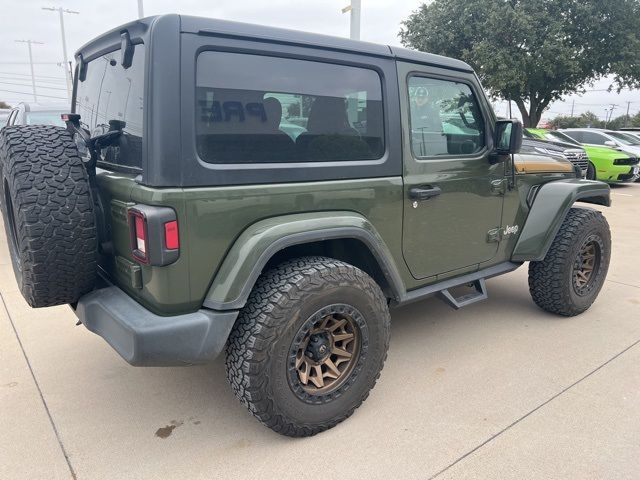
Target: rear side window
445 118
110 92
258 109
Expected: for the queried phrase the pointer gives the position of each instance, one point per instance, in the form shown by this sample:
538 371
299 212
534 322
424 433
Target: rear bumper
143 338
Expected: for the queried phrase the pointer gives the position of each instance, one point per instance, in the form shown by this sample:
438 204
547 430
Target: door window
445 118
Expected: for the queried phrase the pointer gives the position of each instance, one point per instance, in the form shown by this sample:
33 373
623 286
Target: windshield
624 138
45 118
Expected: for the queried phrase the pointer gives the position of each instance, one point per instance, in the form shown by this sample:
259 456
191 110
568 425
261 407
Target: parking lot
497 390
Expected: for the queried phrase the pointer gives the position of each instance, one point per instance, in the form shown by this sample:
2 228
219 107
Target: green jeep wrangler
273 194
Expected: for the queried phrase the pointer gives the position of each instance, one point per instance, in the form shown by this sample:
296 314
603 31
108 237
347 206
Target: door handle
424 193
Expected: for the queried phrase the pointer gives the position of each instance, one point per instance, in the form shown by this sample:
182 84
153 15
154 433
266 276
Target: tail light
154 234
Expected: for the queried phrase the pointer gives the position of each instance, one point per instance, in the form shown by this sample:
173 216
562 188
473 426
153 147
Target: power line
27 75
38 81
26 85
26 93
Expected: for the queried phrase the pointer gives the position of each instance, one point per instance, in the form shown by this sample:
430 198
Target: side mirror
610 143
508 139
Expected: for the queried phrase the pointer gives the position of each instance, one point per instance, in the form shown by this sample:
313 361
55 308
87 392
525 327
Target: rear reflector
139 239
171 237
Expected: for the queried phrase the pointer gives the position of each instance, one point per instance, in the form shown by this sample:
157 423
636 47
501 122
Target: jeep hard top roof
142 29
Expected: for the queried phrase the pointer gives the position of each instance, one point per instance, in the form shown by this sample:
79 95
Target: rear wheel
48 214
309 345
571 275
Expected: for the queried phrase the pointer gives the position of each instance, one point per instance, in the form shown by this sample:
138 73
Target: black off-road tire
258 361
48 214
591 172
552 280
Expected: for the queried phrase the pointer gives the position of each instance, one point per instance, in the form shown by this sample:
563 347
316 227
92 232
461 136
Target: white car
605 138
4 115
635 132
37 114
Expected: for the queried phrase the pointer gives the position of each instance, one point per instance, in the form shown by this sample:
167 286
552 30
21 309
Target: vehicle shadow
427 325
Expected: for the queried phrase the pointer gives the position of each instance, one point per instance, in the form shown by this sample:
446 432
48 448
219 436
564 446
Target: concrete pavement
500 389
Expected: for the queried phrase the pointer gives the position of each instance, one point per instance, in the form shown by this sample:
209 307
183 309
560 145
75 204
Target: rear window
258 109
111 92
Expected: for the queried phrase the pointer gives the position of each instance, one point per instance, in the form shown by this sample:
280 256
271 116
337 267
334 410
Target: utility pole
573 104
354 8
626 118
140 9
613 107
510 108
33 77
61 11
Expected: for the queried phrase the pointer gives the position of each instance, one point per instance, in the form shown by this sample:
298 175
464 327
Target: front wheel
591 171
572 273
309 345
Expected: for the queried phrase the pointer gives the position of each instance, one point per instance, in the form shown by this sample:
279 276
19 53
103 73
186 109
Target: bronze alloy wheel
325 351
587 265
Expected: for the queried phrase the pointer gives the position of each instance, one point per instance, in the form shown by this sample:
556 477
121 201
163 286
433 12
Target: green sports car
605 163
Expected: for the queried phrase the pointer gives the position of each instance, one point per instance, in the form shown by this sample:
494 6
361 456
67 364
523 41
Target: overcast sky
24 19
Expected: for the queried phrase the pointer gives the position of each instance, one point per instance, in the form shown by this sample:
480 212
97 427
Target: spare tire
48 214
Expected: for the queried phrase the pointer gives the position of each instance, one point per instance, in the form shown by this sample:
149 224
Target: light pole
140 9
61 11
33 77
354 8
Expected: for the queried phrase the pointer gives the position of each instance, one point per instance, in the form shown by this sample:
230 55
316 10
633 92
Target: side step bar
464 300
477 279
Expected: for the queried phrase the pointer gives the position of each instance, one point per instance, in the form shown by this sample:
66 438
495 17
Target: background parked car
38 114
605 163
566 151
4 115
605 138
632 131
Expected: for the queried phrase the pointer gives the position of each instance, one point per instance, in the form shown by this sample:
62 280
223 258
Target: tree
618 122
533 51
587 119
4 104
563 121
